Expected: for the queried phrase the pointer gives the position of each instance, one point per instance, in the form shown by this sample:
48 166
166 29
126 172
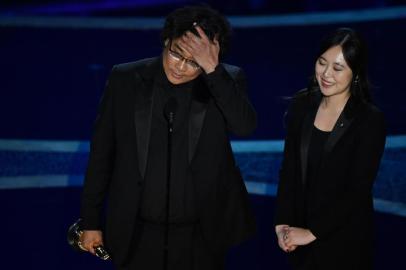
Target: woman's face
333 73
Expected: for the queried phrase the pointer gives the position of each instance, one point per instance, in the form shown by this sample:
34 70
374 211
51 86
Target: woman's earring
356 81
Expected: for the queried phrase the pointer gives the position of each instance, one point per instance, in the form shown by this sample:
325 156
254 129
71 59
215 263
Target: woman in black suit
334 143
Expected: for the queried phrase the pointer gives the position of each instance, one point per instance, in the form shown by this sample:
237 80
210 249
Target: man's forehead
180 48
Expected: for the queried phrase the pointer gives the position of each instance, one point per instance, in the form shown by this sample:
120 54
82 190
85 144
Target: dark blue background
52 79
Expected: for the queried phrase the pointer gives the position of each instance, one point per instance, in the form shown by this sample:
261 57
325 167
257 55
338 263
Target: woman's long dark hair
355 54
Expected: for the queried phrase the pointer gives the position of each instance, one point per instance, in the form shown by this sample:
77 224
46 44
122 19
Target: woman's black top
316 148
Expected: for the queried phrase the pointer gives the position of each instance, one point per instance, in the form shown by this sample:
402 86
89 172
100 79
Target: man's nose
181 65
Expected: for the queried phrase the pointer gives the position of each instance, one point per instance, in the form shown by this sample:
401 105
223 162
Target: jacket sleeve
364 168
230 97
100 164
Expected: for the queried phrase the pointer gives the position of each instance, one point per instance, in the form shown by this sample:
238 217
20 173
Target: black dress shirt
182 205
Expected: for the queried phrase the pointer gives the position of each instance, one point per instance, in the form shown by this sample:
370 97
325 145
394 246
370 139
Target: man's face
179 66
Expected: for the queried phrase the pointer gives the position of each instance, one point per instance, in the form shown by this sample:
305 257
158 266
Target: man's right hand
91 239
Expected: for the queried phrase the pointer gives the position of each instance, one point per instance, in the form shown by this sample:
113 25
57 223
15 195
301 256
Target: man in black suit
208 208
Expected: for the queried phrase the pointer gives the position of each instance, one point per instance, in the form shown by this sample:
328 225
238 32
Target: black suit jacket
340 207
119 154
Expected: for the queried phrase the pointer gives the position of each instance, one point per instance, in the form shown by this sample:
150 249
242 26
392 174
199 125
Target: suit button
140 183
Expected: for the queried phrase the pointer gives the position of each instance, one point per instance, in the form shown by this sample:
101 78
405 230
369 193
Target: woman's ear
166 42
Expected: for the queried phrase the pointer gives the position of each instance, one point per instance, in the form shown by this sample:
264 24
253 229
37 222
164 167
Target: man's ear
166 42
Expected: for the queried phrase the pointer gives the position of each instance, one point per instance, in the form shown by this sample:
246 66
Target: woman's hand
297 237
281 232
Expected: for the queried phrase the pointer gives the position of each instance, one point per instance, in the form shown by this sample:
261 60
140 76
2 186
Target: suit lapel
197 115
196 118
306 135
143 114
343 122
143 111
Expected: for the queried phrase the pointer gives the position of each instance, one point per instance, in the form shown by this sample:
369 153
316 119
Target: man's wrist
210 68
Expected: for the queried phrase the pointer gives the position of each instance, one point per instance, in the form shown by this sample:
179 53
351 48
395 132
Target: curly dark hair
211 21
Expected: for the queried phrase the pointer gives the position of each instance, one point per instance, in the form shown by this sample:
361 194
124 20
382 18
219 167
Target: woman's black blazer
339 206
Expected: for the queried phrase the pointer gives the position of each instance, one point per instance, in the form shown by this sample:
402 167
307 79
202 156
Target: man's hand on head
204 51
